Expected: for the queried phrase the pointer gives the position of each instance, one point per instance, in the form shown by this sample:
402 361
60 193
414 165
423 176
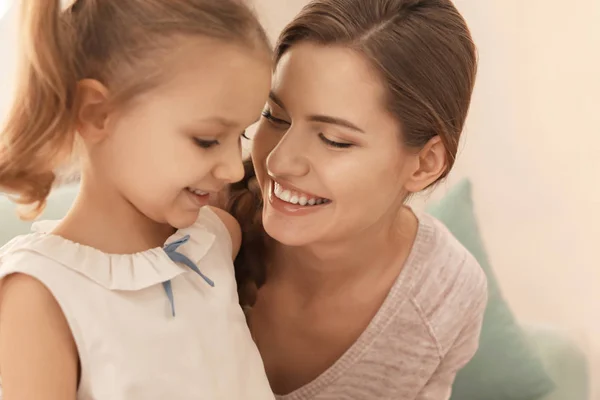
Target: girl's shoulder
222 224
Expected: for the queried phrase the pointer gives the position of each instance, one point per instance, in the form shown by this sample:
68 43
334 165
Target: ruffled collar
127 272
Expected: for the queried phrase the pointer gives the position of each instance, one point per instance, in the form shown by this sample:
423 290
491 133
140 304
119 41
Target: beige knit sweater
425 331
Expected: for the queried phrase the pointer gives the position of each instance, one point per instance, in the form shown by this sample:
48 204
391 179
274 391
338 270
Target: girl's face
174 144
328 156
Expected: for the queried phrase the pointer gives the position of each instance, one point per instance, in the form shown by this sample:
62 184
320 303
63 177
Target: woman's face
328 155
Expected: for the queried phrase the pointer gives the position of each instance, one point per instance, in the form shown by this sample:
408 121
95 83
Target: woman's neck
362 259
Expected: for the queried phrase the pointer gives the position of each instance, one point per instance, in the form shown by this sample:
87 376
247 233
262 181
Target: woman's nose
288 158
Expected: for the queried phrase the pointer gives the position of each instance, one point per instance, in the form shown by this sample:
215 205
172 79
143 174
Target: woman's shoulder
444 259
449 286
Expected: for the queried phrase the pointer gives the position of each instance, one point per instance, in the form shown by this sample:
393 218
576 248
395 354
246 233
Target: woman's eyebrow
326 119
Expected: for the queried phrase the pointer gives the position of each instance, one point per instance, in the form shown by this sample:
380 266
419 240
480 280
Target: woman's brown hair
117 42
422 51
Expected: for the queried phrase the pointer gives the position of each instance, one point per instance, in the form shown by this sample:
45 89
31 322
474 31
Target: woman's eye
278 123
245 136
206 144
332 143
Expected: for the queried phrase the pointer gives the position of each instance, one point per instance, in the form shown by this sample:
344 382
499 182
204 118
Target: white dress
147 327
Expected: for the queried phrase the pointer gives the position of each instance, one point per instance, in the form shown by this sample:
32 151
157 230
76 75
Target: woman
358 297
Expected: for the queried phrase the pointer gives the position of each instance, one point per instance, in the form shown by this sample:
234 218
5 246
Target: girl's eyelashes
332 143
206 144
277 122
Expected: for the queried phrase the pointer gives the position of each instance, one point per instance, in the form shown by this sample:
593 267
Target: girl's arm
233 227
38 356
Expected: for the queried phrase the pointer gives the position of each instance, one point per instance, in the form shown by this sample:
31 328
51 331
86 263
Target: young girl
132 295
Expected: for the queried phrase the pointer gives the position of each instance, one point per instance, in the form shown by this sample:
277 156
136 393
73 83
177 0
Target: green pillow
506 366
58 204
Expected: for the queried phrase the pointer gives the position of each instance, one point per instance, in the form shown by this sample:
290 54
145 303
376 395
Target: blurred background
529 151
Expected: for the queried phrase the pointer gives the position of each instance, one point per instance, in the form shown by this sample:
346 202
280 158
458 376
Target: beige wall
530 149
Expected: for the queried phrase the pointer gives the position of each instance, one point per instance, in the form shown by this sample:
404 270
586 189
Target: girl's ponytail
39 130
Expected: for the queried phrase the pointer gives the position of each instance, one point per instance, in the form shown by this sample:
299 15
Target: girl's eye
206 144
245 136
332 143
278 123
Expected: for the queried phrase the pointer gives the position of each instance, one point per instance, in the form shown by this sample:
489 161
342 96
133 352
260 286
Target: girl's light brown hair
113 41
424 55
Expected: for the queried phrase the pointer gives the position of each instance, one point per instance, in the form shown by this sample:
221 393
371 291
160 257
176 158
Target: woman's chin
288 235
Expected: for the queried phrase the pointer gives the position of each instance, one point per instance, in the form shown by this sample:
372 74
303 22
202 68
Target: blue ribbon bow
175 256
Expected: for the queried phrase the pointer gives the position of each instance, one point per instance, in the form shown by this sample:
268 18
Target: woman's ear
92 110
431 164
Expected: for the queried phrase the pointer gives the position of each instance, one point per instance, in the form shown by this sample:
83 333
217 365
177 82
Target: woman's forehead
329 75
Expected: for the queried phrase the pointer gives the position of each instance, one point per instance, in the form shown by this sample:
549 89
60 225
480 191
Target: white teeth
286 195
293 197
197 192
